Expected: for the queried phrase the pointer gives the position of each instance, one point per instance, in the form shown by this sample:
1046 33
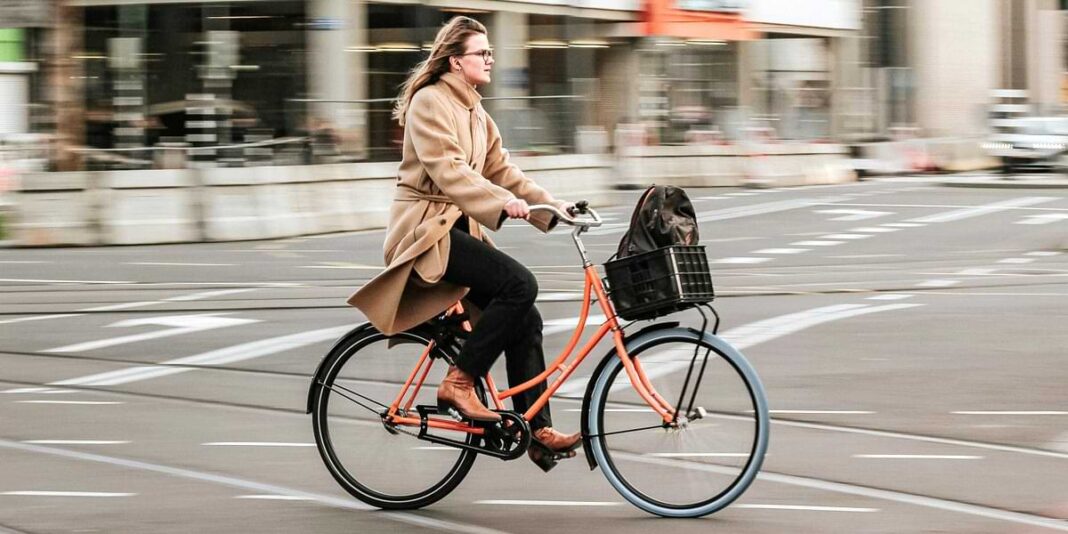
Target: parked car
1036 143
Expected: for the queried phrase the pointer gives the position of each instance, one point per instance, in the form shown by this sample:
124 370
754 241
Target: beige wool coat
452 164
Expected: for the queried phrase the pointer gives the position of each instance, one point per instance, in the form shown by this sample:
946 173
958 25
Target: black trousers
505 291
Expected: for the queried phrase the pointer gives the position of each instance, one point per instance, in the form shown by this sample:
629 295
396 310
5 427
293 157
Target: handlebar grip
580 207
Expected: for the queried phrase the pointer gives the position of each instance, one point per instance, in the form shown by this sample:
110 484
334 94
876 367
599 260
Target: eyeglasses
486 54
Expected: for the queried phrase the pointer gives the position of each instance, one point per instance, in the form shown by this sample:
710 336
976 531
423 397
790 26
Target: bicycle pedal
454 414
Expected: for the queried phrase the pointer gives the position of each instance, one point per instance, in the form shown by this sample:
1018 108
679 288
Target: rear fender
361 330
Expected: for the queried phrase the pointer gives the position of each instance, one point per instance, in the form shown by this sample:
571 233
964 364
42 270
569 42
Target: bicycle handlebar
568 218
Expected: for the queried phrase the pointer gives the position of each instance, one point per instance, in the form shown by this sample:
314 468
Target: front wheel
700 465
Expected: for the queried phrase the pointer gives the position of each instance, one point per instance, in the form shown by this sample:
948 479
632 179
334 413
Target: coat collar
461 90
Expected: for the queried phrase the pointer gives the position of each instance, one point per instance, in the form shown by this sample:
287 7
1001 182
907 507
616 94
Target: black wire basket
659 282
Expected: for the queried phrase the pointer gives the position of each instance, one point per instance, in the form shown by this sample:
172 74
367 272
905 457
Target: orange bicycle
675 417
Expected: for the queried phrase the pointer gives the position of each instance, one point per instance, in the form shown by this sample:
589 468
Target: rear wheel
381 465
700 465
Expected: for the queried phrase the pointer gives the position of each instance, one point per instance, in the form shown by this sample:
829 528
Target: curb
1008 184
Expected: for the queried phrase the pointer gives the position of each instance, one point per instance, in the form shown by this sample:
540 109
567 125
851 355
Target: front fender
655 333
628 340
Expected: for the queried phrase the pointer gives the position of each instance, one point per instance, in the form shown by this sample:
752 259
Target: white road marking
711 198
854 215
27 390
749 335
1016 261
875 230
873 493
39 318
256 444
824 412
986 209
976 271
567 324
1043 218
1010 412
344 265
633 410
1043 253
434 448
803 507
519 502
919 456
249 485
781 251
48 281
24 261
938 283
180 264
891 296
180 324
845 236
67 494
236 353
75 442
699 454
903 225
128 305
559 296
89 403
210 294
737 212
274 497
816 243
120 306
741 260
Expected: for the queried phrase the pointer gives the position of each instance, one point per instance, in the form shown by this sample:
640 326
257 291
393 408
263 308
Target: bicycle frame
402 404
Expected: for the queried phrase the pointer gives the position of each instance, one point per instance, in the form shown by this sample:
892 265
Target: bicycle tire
346 351
611 460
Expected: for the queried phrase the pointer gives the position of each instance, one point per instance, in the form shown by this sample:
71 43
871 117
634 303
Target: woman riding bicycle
454 179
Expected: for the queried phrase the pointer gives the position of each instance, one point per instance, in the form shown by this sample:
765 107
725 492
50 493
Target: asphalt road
912 339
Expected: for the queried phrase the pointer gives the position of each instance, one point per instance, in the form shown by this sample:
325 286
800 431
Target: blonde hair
450 41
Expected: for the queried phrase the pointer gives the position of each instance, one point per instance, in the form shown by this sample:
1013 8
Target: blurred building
939 67
292 81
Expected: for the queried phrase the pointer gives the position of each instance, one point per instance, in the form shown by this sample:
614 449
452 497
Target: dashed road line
741 260
805 508
919 456
938 283
1016 261
845 236
985 209
875 230
86 403
256 444
249 485
781 251
528 502
891 296
1009 412
816 243
36 493
75 441
236 353
862 491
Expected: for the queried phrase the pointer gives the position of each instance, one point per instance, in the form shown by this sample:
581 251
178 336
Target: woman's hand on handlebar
517 208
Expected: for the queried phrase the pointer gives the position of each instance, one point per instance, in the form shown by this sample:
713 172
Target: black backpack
663 217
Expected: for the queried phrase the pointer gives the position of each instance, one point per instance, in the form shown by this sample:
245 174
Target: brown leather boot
457 390
548 446
557 441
